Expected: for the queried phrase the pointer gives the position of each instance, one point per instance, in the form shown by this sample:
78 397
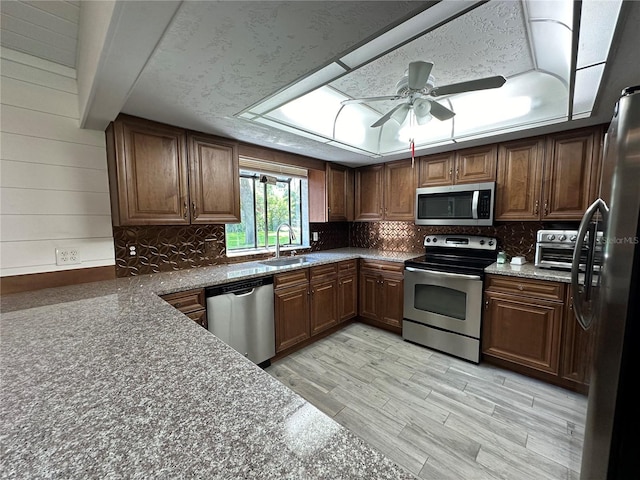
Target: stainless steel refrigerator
607 299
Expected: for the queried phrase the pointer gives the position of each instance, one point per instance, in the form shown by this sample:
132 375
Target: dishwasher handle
244 292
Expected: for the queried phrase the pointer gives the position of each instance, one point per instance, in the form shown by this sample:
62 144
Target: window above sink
270 194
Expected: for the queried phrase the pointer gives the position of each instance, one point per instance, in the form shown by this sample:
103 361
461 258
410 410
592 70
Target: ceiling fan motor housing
402 87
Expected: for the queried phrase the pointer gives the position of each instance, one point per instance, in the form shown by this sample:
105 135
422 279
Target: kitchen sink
282 261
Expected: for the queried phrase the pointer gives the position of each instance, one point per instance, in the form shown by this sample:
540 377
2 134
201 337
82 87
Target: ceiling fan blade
471 85
383 119
440 112
419 74
370 99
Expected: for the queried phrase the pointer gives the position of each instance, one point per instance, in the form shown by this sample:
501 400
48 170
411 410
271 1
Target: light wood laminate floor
437 416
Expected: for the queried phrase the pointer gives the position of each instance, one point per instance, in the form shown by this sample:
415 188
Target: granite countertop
528 270
107 380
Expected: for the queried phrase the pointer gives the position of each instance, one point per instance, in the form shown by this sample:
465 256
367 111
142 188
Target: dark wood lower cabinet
324 305
522 331
291 315
577 349
381 292
347 297
191 303
529 326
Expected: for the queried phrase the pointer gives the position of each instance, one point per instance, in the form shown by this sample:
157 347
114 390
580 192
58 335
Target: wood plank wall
54 188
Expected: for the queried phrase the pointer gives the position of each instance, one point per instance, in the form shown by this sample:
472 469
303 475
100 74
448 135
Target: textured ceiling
44 29
218 58
490 40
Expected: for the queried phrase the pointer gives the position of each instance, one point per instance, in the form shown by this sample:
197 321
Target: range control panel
461 241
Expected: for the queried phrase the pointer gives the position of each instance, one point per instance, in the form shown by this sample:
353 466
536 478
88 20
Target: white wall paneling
54 190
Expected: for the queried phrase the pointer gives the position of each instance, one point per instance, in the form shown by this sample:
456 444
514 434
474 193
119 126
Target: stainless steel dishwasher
241 315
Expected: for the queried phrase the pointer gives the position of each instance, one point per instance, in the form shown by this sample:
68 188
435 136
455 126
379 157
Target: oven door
448 301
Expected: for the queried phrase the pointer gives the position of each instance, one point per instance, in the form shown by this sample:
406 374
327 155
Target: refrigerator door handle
580 307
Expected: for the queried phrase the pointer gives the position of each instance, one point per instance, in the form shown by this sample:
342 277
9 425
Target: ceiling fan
416 86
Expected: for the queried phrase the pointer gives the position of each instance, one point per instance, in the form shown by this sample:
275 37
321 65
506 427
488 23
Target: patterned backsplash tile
166 248
516 238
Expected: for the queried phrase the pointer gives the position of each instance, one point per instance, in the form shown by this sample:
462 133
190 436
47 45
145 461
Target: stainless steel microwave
469 204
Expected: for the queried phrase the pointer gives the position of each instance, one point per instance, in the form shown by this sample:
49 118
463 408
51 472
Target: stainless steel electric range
443 294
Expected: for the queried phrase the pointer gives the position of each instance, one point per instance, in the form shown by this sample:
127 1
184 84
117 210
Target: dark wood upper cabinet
400 190
436 170
476 165
214 183
148 173
518 192
331 197
369 193
163 175
470 165
571 161
548 178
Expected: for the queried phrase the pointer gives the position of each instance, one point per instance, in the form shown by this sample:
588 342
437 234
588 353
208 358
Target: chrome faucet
292 237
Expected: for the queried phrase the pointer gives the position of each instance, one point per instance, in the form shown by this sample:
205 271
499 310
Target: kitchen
75 201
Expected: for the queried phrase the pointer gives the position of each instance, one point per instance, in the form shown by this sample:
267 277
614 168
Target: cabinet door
567 176
369 293
519 181
214 180
200 317
291 316
347 297
522 331
436 170
148 163
369 193
400 190
475 165
337 193
324 305
392 301
577 348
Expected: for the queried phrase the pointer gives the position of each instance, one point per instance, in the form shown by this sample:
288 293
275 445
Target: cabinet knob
177 305
520 287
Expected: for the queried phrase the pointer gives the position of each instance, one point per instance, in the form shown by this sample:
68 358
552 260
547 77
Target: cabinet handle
178 305
308 292
570 303
520 287
536 208
450 172
186 209
195 210
546 208
486 304
457 172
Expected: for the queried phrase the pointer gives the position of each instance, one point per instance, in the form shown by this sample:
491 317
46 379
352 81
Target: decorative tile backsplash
516 238
166 248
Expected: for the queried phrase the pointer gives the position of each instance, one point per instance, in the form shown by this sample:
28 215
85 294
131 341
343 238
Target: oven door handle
443 274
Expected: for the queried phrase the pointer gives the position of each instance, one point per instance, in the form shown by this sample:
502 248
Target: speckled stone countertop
528 270
106 380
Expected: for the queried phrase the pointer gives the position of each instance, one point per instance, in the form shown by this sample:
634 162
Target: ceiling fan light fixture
422 108
423 120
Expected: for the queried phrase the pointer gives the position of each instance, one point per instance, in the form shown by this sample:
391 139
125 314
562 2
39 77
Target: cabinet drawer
200 317
395 267
323 272
186 302
523 286
347 267
291 278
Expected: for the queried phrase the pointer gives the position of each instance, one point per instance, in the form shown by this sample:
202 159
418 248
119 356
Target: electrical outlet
67 256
